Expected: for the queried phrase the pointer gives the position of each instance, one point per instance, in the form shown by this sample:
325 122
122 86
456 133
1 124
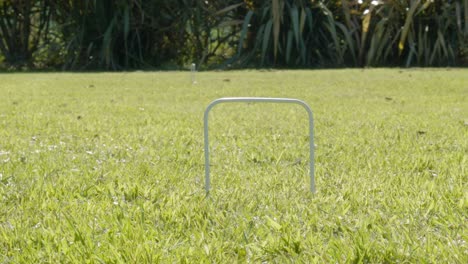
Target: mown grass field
108 167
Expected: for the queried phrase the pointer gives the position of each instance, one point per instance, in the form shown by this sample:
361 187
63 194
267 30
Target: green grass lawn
109 167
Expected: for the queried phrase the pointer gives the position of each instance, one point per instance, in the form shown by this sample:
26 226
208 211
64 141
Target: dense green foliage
129 34
108 168
360 33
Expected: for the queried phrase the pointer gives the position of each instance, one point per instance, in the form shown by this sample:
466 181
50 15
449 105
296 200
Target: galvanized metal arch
261 100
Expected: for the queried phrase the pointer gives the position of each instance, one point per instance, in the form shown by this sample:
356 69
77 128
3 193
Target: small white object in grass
193 70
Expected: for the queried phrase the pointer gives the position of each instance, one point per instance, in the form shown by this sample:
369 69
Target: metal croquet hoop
259 100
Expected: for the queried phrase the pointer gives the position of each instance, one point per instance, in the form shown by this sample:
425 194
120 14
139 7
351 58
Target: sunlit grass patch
108 167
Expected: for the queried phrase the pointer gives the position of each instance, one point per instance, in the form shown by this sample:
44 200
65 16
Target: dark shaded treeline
168 34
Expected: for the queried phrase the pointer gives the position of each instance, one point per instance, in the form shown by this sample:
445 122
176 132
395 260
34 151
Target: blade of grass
407 26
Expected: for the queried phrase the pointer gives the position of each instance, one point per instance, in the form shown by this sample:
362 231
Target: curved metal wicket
261 100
